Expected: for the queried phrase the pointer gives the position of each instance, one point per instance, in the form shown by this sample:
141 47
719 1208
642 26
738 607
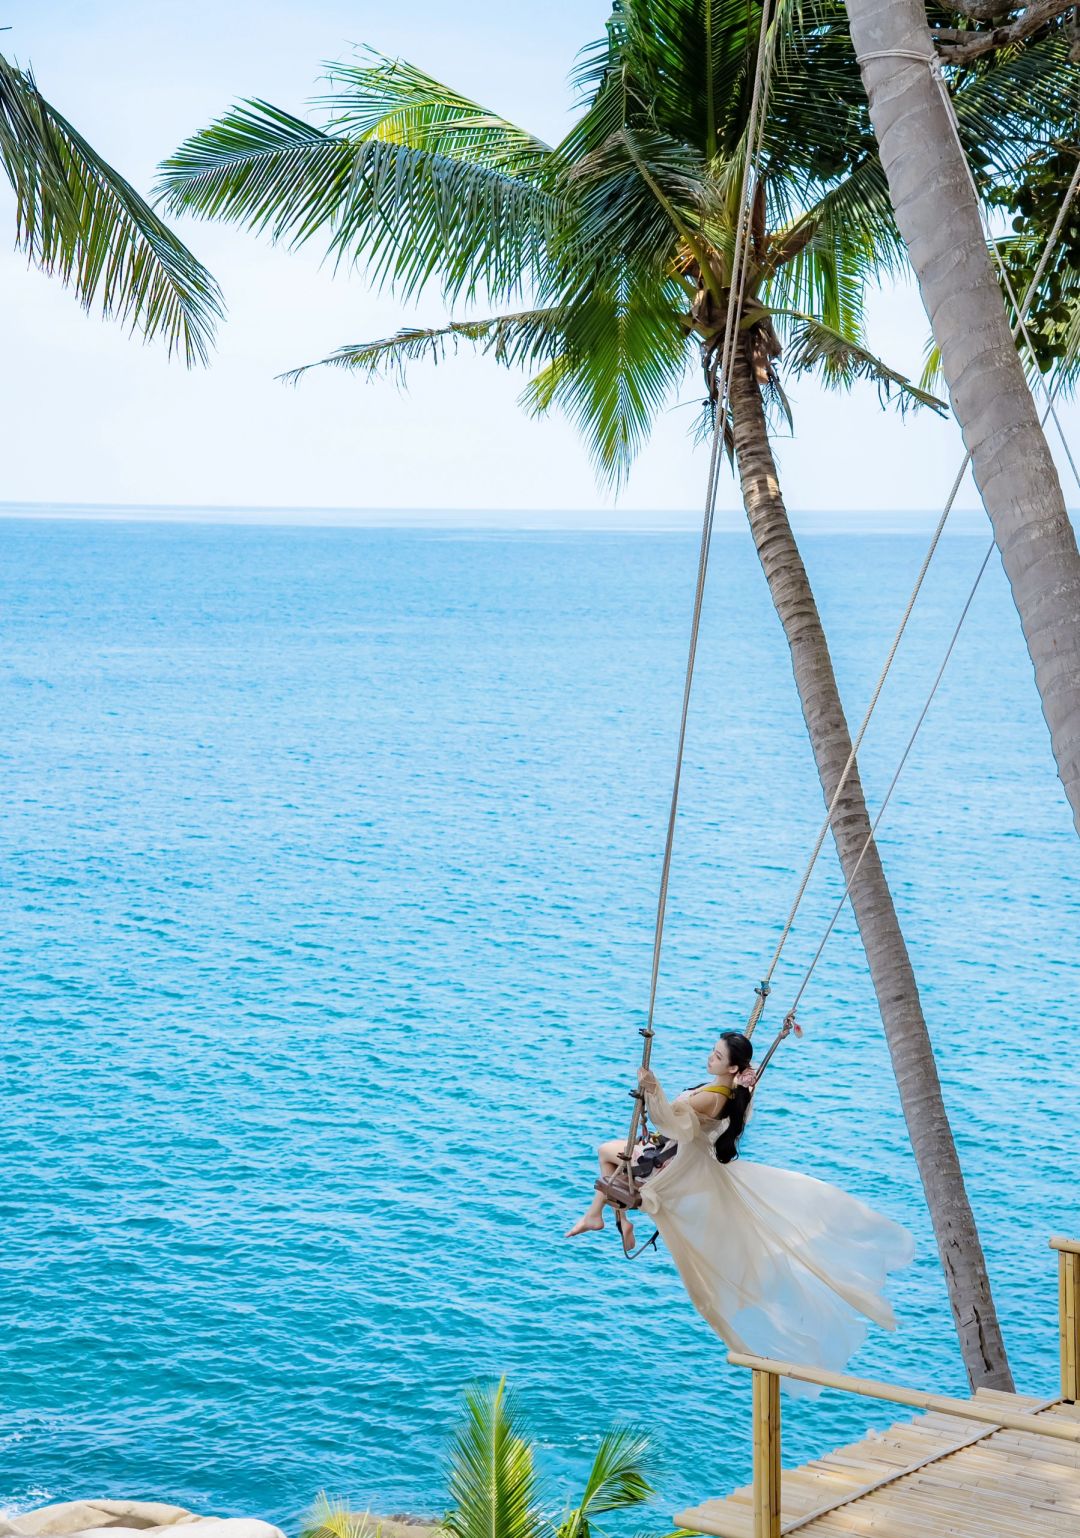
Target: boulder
129 1519
67 1517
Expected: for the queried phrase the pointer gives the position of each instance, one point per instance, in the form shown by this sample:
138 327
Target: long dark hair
740 1051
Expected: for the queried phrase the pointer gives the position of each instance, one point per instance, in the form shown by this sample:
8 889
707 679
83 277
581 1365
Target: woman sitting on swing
780 1264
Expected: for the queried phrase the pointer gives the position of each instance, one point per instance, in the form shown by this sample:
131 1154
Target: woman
780 1264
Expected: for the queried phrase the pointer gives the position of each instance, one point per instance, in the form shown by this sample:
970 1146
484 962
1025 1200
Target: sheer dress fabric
778 1263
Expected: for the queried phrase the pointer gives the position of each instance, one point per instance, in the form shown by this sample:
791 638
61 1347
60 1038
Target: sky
91 415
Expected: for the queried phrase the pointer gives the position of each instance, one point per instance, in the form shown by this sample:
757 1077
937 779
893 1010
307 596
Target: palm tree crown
613 248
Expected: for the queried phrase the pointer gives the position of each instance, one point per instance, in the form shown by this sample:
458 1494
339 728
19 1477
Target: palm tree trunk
938 215
890 968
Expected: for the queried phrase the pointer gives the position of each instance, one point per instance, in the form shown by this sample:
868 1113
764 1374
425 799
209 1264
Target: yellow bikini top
715 1089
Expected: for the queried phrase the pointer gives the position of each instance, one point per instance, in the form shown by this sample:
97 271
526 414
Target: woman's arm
677 1121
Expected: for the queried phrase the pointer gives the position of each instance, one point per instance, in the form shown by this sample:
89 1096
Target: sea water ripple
329 861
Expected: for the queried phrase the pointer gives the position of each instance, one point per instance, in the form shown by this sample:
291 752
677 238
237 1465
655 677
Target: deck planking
933 1475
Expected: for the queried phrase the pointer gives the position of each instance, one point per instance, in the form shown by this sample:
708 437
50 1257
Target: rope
766 40
763 989
736 295
1019 328
910 742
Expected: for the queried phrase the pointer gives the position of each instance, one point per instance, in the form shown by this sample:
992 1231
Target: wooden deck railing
1069 1314
767 1373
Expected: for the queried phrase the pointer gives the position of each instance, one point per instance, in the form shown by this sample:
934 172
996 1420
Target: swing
622 1187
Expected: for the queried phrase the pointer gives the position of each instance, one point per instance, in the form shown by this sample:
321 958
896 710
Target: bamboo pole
766 1418
1069 1316
1066 1246
992 1413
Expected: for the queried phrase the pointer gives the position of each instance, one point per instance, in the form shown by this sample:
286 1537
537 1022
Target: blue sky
92 416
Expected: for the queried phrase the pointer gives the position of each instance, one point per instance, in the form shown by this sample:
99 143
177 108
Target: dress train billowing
778 1263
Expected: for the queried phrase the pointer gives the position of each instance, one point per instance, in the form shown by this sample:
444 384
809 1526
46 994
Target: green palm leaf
1017 103
814 346
624 352
638 196
333 1519
933 375
516 339
618 1478
409 214
494 1491
77 218
393 100
826 278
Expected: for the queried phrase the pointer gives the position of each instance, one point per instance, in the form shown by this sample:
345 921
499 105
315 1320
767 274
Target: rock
129 1519
230 1527
82 1516
405 1527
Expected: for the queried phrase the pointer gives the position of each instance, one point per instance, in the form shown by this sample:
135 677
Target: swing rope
1019 329
892 784
737 292
755 140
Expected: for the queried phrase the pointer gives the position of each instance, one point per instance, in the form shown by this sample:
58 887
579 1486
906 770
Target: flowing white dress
780 1264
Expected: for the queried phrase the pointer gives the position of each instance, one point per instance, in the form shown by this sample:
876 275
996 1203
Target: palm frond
826 278
514 340
933 375
333 1519
77 218
410 215
692 63
638 197
818 130
812 345
624 350
493 1486
392 100
855 211
1016 103
618 1478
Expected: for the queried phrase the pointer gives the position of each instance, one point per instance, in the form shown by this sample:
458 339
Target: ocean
329 862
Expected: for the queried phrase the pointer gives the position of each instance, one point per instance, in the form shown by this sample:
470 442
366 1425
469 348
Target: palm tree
937 210
613 251
494 1486
78 218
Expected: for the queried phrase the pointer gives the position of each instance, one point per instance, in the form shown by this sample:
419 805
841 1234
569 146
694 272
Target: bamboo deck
937 1476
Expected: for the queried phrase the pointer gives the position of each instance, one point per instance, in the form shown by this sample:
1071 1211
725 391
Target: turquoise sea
329 861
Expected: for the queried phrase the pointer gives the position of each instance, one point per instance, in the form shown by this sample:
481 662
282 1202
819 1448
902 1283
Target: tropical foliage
618 239
77 218
494 1486
1034 200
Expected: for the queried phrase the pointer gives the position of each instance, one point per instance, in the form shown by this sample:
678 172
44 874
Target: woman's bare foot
626 1230
588 1224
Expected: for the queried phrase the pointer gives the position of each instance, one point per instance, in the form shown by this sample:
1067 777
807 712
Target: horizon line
525 520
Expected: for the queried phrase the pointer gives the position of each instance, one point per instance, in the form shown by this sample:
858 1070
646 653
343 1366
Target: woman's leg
610 1158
